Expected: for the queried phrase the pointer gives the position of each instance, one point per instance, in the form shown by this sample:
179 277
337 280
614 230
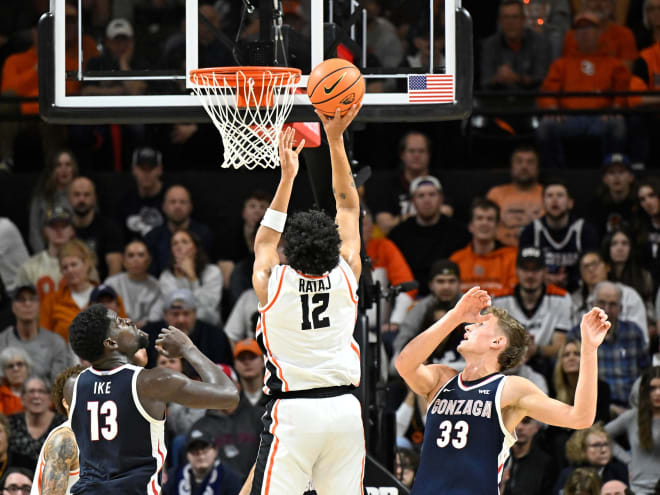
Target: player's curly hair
516 336
57 392
88 331
312 242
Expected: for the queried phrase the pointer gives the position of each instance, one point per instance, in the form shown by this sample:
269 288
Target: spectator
242 321
177 207
649 200
623 355
531 471
107 296
485 261
51 192
29 429
587 70
43 269
18 479
249 364
180 310
140 207
382 38
189 269
16 367
521 201
406 462
423 238
7 459
48 351
615 203
516 57
591 448
560 235
615 487
101 233
13 253
139 291
582 481
411 420
641 426
203 472
420 45
551 18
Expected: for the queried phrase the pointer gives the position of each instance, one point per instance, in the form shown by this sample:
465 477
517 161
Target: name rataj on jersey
121 448
465 441
306 330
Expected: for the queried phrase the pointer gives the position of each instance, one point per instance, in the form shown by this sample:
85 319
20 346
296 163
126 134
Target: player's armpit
426 379
61 456
265 259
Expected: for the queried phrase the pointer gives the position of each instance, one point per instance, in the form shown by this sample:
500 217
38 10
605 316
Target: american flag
431 88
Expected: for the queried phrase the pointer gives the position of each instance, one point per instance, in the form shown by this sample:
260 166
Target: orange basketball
335 83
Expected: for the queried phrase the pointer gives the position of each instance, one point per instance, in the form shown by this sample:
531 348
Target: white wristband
274 219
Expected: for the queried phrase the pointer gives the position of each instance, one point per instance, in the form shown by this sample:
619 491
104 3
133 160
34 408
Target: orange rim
209 76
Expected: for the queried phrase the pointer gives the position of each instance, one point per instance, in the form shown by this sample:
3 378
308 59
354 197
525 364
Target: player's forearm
247 486
343 185
280 202
586 392
210 372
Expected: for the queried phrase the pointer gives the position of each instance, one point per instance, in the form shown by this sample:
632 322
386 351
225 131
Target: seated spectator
382 37
593 270
51 192
203 472
419 55
8 461
139 291
242 321
587 70
614 203
249 364
485 261
624 354
190 269
406 462
531 471
422 238
139 210
17 480
101 233
13 253
641 426
411 421
16 367
177 207
29 429
560 235
108 297
521 201
615 487
591 448
48 351
649 228
180 310
582 481
43 269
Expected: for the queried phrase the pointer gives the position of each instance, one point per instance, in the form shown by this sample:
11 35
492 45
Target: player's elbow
582 421
228 398
400 365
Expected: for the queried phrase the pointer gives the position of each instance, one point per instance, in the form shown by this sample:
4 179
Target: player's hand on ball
335 126
289 156
172 342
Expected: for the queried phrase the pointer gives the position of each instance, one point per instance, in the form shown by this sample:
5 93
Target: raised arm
61 457
347 200
272 225
422 378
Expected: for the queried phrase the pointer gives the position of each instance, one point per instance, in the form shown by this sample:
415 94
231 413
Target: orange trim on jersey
271 459
41 472
270 354
350 289
279 287
74 473
356 349
314 277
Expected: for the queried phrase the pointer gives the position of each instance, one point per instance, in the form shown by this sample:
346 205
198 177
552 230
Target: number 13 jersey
465 441
306 330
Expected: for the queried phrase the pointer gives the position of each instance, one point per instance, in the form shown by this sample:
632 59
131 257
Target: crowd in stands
152 260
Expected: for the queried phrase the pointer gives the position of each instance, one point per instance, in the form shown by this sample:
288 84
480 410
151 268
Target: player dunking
471 415
117 409
312 425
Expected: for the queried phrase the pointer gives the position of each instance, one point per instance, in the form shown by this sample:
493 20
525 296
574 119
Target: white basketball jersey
306 329
36 482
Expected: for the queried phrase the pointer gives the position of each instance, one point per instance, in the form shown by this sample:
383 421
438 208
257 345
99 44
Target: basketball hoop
248 106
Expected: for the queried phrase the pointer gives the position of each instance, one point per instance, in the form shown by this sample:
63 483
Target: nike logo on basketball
329 90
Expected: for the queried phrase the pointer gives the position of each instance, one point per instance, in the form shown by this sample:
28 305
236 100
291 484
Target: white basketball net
249 134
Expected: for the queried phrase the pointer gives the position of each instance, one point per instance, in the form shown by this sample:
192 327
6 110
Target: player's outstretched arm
425 379
215 391
247 486
272 225
530 401
61 457
347 200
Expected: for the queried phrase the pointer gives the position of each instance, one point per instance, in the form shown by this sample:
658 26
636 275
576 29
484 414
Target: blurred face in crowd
82 196
253 211
556 201
35 396
613 487
147 176
183 319
249 365
570 358
119 45
653 14
609 299
183 246
427 201
26 306
403 471
511 21
530 277
654 392
526 430
75 270
416 153
64 169
618 179
136 258
604 8
586 37
16 371
169 362
201 457
16 481
620 248
593 269
524 168
58 233
177 205
648 199
483 226
445 287
598 450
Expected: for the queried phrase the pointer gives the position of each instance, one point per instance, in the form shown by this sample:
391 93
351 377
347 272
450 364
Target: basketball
335 83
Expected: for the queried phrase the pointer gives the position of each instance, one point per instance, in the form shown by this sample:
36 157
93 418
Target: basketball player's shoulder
442 374
61 446
515 388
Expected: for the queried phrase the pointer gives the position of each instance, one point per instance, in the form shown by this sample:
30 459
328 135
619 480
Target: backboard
389 40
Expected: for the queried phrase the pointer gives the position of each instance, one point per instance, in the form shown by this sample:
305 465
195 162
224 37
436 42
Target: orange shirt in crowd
9 403
58 309
616 41
651 56
493 271
517 209
385 254
585 73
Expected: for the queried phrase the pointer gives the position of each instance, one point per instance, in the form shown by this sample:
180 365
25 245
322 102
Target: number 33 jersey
465 441
121 448
306 330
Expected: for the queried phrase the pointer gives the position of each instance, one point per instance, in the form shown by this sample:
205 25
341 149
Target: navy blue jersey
465 441
121 448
